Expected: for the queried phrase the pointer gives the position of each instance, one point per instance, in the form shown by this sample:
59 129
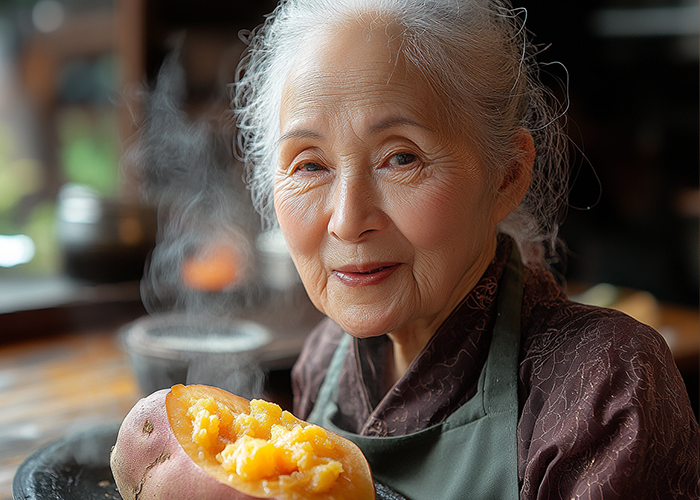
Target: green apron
473 454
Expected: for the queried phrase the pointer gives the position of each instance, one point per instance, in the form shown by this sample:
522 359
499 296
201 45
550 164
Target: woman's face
389 216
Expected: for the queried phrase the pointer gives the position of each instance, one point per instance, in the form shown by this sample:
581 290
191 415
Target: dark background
633 121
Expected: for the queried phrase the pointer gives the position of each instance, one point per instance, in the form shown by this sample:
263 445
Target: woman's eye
402 159
310 167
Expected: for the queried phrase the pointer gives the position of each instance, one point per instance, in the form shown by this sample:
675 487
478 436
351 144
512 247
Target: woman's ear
515 181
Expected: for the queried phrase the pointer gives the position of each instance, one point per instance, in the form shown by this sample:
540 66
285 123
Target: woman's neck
404 352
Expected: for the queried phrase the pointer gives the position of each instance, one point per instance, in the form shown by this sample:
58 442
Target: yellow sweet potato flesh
263 451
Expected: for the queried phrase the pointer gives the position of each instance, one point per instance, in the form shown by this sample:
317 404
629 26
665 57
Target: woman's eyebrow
300 134
393 122
374 128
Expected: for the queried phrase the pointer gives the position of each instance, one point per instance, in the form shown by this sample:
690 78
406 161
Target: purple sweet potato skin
148 463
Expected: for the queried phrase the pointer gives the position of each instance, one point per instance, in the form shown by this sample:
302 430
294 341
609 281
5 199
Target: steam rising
236 373
187 169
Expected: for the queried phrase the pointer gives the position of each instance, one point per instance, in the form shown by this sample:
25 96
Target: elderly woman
406 151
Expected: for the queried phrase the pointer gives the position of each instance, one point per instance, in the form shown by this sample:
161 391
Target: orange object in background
213 269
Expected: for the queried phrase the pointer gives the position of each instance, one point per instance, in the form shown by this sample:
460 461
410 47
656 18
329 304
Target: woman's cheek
301 220
422 215
457 202
296 207
315 280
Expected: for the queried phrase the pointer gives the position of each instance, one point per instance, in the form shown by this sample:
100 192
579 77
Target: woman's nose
355 211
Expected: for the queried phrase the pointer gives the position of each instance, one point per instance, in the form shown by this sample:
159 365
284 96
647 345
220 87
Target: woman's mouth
363 275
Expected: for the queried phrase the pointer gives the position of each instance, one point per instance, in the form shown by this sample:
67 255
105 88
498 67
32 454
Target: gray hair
474 53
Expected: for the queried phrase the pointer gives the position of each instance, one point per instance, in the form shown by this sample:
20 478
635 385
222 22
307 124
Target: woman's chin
364 324
363 334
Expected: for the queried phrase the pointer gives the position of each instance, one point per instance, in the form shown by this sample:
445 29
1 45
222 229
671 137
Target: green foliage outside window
88 151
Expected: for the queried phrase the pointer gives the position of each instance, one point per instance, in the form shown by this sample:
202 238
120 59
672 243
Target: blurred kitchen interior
70 76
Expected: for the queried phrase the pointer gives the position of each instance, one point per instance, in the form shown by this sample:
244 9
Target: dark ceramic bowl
181 349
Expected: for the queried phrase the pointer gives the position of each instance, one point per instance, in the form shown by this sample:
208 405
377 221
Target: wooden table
53 386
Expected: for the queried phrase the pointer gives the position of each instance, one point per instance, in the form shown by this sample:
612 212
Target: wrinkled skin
148 462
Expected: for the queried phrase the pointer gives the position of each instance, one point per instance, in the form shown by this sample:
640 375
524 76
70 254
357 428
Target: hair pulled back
477 57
